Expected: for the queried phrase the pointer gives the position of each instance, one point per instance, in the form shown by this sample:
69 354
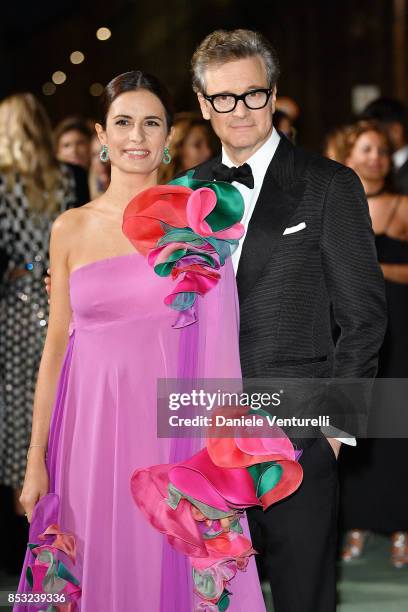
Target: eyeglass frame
267 90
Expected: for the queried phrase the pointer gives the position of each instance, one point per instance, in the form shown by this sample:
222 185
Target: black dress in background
374 476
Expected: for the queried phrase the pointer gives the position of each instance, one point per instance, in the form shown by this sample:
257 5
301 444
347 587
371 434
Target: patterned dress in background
24 241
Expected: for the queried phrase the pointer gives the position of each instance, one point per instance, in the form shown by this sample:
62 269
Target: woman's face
370 157
74 148
195 149
136 132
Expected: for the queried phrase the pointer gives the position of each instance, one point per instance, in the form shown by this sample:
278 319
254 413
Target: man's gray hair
224 46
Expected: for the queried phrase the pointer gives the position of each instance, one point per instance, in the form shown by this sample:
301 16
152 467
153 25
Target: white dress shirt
259 163
400 157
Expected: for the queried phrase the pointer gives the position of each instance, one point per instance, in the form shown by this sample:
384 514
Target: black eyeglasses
226 102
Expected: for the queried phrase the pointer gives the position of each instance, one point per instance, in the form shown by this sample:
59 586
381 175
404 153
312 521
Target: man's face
395 131
241 131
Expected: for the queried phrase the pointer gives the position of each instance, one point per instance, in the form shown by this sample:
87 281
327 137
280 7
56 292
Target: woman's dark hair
133 81
386 110
70 124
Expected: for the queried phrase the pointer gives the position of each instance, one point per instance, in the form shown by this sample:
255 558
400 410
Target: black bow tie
241 174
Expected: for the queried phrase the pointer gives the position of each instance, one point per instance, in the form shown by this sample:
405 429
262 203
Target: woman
335 144
77 145
73 138
34 190
122 339
191 144
283 124
373 498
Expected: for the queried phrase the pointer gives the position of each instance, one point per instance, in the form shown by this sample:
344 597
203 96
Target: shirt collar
261 159
400 157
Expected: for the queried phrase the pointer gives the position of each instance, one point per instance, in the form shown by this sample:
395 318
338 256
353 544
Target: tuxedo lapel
279 197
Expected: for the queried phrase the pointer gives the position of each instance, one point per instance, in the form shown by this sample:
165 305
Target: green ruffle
175 495
230 203
265 476
224 601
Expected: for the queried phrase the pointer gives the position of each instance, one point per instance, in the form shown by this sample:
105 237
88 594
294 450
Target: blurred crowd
373 497
44 171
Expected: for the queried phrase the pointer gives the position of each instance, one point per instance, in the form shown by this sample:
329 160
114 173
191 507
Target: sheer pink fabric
104 427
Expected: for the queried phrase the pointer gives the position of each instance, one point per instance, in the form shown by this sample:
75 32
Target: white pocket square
295 228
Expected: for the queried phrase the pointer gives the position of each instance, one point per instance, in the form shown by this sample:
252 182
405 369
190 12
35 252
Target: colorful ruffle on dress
187 230
187 500
48 576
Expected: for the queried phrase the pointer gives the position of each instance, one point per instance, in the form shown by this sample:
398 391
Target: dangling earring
104 154
166 156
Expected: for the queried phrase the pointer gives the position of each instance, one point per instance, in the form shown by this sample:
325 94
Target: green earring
104 154
166 156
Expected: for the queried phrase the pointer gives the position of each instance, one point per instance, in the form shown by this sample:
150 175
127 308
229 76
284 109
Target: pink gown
104 427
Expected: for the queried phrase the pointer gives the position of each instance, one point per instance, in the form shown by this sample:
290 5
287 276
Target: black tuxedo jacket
294 288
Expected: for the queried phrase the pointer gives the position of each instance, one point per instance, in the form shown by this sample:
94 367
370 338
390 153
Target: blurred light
96 89
59 77
103 34
48 89
77 57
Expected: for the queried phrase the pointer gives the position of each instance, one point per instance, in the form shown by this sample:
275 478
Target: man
308 249
394 117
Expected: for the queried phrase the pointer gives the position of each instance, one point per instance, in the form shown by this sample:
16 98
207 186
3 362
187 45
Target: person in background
286 114
76 144
335 144
99 171
34 189
373 495
283 123
73 138
393 116
192 143
289 107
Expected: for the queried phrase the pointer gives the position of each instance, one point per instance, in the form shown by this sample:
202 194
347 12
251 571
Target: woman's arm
36 478
395 272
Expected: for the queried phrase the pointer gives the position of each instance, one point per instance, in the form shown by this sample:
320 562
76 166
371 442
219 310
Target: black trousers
297 537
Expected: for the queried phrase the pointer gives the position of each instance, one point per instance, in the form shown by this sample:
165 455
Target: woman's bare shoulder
72 228
75 219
